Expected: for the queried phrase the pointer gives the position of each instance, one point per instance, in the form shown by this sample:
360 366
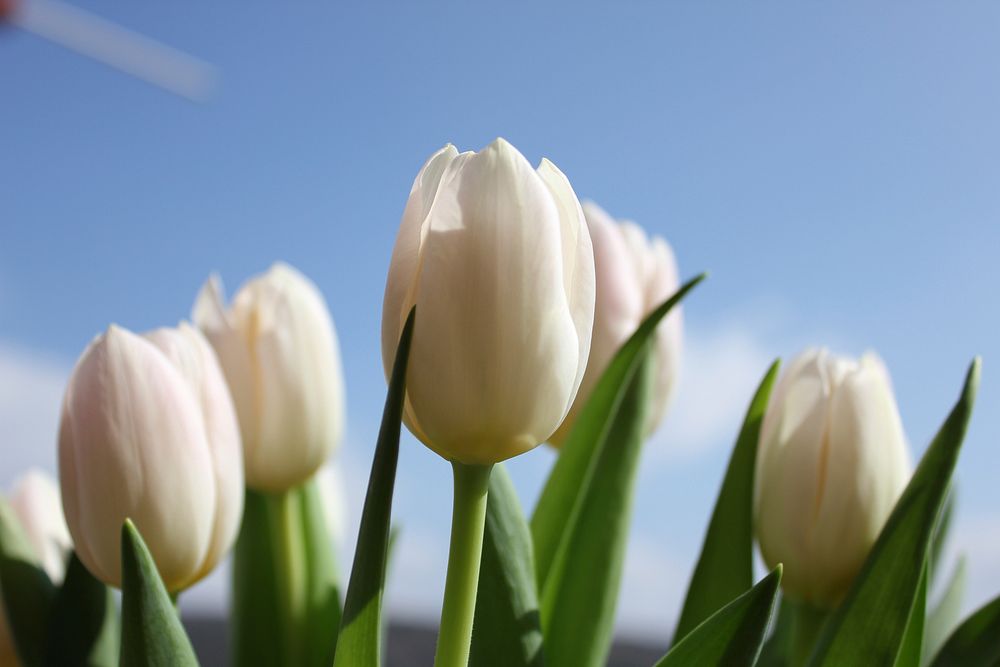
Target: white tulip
278 348
149 433
635 274
831 464
35 502
497 258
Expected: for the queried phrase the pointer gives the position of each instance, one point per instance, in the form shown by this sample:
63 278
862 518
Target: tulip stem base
287 541
807 623
467 523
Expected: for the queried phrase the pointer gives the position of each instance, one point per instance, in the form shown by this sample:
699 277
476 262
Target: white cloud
31 389
720 371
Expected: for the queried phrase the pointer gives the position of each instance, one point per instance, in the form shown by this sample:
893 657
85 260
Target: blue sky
835 167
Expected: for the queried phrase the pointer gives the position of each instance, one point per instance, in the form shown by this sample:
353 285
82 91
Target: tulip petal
300 384
867 468
494 317
403 268
132 445
190 353
579 279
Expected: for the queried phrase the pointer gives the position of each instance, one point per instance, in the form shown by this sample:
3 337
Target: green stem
807 622
467 523
287 540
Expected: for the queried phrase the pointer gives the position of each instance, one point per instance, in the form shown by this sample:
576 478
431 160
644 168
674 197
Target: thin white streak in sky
118 47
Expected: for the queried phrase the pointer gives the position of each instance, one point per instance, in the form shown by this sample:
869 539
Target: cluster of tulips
513 316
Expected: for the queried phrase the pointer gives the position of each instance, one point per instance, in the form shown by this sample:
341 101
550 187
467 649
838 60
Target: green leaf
725 567
581 583
579 456
83 624
507 624
359 642
776 650
580 594
322 589
26 589
976 643
945 616
733 635
911 648
869 626
254 639
152 634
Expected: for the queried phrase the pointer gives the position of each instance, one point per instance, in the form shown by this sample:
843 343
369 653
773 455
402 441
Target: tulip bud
149 433
278 348
831 464
35 502
635 274
497 258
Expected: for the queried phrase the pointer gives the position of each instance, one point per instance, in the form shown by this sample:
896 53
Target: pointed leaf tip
152 634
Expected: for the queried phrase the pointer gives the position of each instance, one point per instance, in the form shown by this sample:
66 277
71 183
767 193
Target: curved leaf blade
725 566
575 466
507 624
26 590
732 636
581 592
152 634
359 642
322 590
83 624
976 643
869 627
911 648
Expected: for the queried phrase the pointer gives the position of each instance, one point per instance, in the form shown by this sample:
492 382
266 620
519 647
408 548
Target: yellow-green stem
287 541
467 523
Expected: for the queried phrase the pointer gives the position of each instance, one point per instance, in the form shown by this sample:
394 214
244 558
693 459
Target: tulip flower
149 432
635 274
35 502
497 258
278 349
831 464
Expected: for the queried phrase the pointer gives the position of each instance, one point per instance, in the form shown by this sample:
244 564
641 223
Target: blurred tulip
635 274
333 499
278 348
36 504
35 501
832 462
149 432
497 258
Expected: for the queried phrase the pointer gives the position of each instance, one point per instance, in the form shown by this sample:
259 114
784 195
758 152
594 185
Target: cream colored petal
867 449
234 355
36 502
618 305
189 352
495 350
663 283
132 445
403 266
579 273
789 462
300 383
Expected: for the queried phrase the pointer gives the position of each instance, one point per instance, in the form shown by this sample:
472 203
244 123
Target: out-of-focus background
837 168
